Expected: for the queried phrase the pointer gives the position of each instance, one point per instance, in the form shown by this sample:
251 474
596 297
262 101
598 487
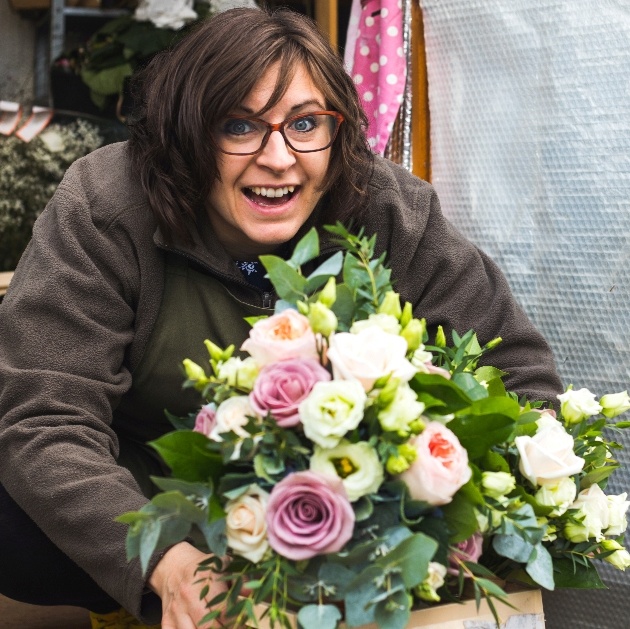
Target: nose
276 155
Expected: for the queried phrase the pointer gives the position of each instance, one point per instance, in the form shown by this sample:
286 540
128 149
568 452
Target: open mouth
270 196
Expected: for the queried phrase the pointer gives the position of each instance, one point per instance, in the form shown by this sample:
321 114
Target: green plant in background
30 173
121 46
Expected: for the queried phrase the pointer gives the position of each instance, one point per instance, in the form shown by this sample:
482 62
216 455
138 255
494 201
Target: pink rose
281 336
440 468
308 514
206 420
468 550
281 386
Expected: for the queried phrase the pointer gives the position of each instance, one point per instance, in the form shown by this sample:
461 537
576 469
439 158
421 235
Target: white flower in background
224 5
578 405
388 323
614 404
560 496
237 371
617 509
166 13
593 514
402 411
357 464
497 484
53 140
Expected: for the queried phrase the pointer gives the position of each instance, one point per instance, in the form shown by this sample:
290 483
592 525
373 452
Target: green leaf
438 387
187 456
214 534
344 307
359 610
307 249
174 502
148 542
513 547
459 515
330 268
288 282
540 567
394 612
108 81
469 385
412 556
319 617
568 574
486 423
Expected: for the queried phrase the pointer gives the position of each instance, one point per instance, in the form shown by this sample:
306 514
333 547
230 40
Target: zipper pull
267 300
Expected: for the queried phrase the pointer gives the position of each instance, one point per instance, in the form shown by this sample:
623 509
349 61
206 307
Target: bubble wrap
530 151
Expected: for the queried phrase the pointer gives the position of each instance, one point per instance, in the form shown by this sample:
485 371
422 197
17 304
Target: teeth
272 192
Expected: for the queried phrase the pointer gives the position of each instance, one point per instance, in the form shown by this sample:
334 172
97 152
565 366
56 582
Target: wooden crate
527 615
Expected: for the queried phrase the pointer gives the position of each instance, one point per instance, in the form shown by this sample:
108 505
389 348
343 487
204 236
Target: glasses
304 133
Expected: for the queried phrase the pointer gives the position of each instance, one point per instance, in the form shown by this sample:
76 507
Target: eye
238 126
303 124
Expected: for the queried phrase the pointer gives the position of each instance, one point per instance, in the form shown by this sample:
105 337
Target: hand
173 581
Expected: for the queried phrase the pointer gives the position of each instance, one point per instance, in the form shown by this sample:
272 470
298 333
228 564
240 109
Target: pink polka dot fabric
378 64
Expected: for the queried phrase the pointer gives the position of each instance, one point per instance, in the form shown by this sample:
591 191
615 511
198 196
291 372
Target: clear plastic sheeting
530 150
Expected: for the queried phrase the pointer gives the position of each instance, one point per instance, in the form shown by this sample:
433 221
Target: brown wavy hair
184 92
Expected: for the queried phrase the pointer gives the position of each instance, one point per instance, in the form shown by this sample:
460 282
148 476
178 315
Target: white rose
331 410
614 404
560 496
548 456
388 323
617 508
368 355
357 464
593 514
403 410
245 526
166 13
238 372
578 405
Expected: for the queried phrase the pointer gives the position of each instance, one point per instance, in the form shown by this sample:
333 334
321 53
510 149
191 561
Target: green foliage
30 173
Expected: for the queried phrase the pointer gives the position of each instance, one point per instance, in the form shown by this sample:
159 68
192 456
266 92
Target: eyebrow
298 106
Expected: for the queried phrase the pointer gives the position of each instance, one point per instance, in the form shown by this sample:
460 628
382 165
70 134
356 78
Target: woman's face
247 222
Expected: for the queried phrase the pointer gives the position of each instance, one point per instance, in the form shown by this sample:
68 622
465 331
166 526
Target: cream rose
548 456
593 514
245 524
368 355
284 335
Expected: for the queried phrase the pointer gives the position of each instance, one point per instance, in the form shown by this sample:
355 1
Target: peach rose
440 468
281 336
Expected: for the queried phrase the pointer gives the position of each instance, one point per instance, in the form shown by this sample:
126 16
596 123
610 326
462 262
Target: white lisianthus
402 411
550 530
322 319
483 523
369 355
620 557
166 13
614 404
434 580
421 358
497 484
238 372
560 495
387 322
617 509
231 416
357 464
331 410
245 525
578 405
593 516
548 456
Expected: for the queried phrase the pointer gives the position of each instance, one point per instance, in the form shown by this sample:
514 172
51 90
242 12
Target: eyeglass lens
303 133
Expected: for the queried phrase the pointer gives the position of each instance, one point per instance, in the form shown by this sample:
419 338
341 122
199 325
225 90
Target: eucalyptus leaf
513 547
470 386
289 284
460 518
307 249
540 567
358 601
319 617
412 557
148 542
394 612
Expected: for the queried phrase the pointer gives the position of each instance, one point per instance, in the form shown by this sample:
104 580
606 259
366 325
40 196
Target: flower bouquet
345 471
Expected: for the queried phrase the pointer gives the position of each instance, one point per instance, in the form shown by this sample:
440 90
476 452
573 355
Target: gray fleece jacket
82 305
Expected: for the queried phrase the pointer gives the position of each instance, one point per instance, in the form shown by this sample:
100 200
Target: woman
248 133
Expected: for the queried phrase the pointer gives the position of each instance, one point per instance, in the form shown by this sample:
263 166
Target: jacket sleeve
453 283
66 324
